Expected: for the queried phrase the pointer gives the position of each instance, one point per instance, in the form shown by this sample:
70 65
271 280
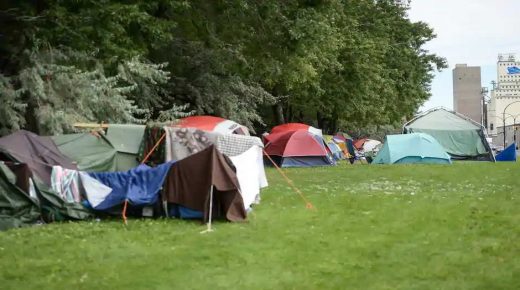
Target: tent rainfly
288 127
213 124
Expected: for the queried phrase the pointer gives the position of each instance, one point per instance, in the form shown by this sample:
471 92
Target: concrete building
467 97
504 105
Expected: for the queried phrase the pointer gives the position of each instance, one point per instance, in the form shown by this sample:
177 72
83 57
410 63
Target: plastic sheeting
509 154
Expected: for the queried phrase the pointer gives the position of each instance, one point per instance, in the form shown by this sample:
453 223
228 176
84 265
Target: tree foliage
337 64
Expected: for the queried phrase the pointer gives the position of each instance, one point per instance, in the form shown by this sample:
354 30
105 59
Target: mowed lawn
374 227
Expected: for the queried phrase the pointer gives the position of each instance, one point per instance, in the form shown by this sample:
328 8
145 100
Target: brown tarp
39 153
189 182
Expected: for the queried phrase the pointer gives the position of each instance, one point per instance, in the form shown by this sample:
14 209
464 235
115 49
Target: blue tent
411 148
509 154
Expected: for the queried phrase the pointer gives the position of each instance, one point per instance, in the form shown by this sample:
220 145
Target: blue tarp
509 154
140 185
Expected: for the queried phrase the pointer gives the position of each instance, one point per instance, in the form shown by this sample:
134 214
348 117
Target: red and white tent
213 124
298 148
294 127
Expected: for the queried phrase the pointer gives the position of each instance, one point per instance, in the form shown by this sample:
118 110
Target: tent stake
209 229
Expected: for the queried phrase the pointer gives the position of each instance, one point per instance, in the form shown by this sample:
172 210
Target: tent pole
209 229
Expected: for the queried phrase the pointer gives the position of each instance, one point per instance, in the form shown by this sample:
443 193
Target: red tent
213 124
297 148
359 143
295 126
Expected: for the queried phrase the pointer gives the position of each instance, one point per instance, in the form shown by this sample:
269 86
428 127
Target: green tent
411 148
114 151
126 139
90 152
17 208
461 137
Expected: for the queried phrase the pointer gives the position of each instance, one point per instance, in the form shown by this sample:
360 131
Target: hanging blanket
139 185
183 142
250 174
66 183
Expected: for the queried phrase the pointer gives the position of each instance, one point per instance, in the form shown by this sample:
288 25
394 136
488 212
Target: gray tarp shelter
461 137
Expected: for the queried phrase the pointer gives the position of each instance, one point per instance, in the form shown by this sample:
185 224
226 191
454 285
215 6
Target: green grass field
374 227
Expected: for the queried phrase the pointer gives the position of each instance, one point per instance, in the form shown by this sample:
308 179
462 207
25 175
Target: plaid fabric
233 145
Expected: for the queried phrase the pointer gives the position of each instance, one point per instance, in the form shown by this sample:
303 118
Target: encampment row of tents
203 167
437 136
78 176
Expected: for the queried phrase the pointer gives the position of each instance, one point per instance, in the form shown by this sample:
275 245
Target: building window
491 126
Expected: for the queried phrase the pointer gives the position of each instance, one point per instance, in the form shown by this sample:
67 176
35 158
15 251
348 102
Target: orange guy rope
144 160
153 148
124 212
308 204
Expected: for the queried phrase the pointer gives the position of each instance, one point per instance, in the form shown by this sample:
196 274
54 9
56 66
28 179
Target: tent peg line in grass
308 204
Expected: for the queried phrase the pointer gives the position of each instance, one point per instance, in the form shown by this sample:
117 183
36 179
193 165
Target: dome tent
462 138
213 124
411 148
298 149
294 127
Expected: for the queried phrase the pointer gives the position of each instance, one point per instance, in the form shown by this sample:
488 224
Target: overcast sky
468 31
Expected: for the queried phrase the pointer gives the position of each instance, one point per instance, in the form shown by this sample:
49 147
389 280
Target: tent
358 143
346 143
126 139
509 154
213 124
370 145
288 127
461 137
90 151
17 207
297 149
411 148
366 144
41 154
342 136
336 151
246 153
216 184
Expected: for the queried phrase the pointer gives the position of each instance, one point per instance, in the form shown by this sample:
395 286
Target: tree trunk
319 118
31 122
278 114
334 126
